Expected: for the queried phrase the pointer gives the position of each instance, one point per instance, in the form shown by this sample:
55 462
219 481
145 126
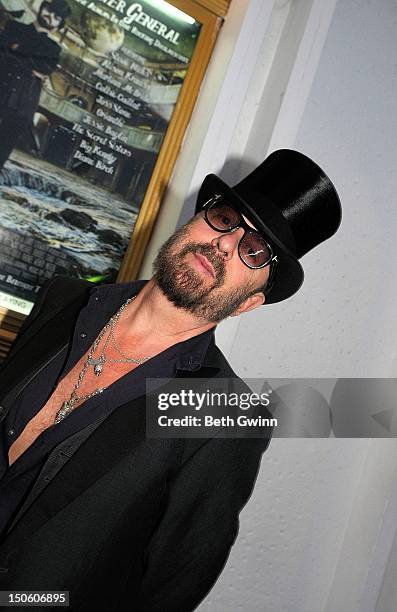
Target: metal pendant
65 409
98 364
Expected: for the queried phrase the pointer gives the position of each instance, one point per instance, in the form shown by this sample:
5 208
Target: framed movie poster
95 97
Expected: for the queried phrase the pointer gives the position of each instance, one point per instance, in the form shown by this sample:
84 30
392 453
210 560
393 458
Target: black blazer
121 521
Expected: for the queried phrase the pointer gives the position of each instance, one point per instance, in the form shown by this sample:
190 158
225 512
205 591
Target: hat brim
289 274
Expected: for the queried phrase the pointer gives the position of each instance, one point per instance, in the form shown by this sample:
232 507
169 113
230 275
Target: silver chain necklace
98 364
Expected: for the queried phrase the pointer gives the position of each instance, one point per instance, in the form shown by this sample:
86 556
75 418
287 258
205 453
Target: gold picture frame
210 14
143 227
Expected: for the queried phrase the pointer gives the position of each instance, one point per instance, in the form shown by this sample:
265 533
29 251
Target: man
27 57
89 503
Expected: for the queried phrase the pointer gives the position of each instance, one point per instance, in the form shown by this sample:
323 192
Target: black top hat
292 202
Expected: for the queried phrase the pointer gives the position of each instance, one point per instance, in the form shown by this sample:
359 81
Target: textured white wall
343 321
290 532
309 530
388 595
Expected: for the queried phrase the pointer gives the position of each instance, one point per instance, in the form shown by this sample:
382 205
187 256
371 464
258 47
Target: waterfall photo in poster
87 91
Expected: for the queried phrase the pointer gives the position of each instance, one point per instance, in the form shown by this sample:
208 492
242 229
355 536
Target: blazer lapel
102 445
37 350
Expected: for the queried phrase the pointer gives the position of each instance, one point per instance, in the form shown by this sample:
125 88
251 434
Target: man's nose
227 243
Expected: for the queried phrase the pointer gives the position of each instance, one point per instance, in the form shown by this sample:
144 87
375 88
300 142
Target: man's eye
223 220
253 253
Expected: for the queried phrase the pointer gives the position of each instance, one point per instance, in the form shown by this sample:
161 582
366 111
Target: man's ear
252 302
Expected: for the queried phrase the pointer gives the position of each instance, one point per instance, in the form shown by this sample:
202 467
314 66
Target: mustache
207 251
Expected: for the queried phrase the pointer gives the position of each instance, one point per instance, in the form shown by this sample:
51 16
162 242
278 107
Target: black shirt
17 480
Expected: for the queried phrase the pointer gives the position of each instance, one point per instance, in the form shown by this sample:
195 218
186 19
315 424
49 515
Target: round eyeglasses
253 249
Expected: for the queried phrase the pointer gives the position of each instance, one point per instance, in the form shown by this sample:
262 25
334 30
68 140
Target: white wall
343 320
300 549
317 533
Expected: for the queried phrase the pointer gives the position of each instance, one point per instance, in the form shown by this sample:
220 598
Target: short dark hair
59 7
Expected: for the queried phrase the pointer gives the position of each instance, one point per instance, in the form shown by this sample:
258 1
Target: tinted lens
254 250
223 217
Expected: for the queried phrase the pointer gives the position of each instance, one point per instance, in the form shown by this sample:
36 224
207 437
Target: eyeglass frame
272 262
